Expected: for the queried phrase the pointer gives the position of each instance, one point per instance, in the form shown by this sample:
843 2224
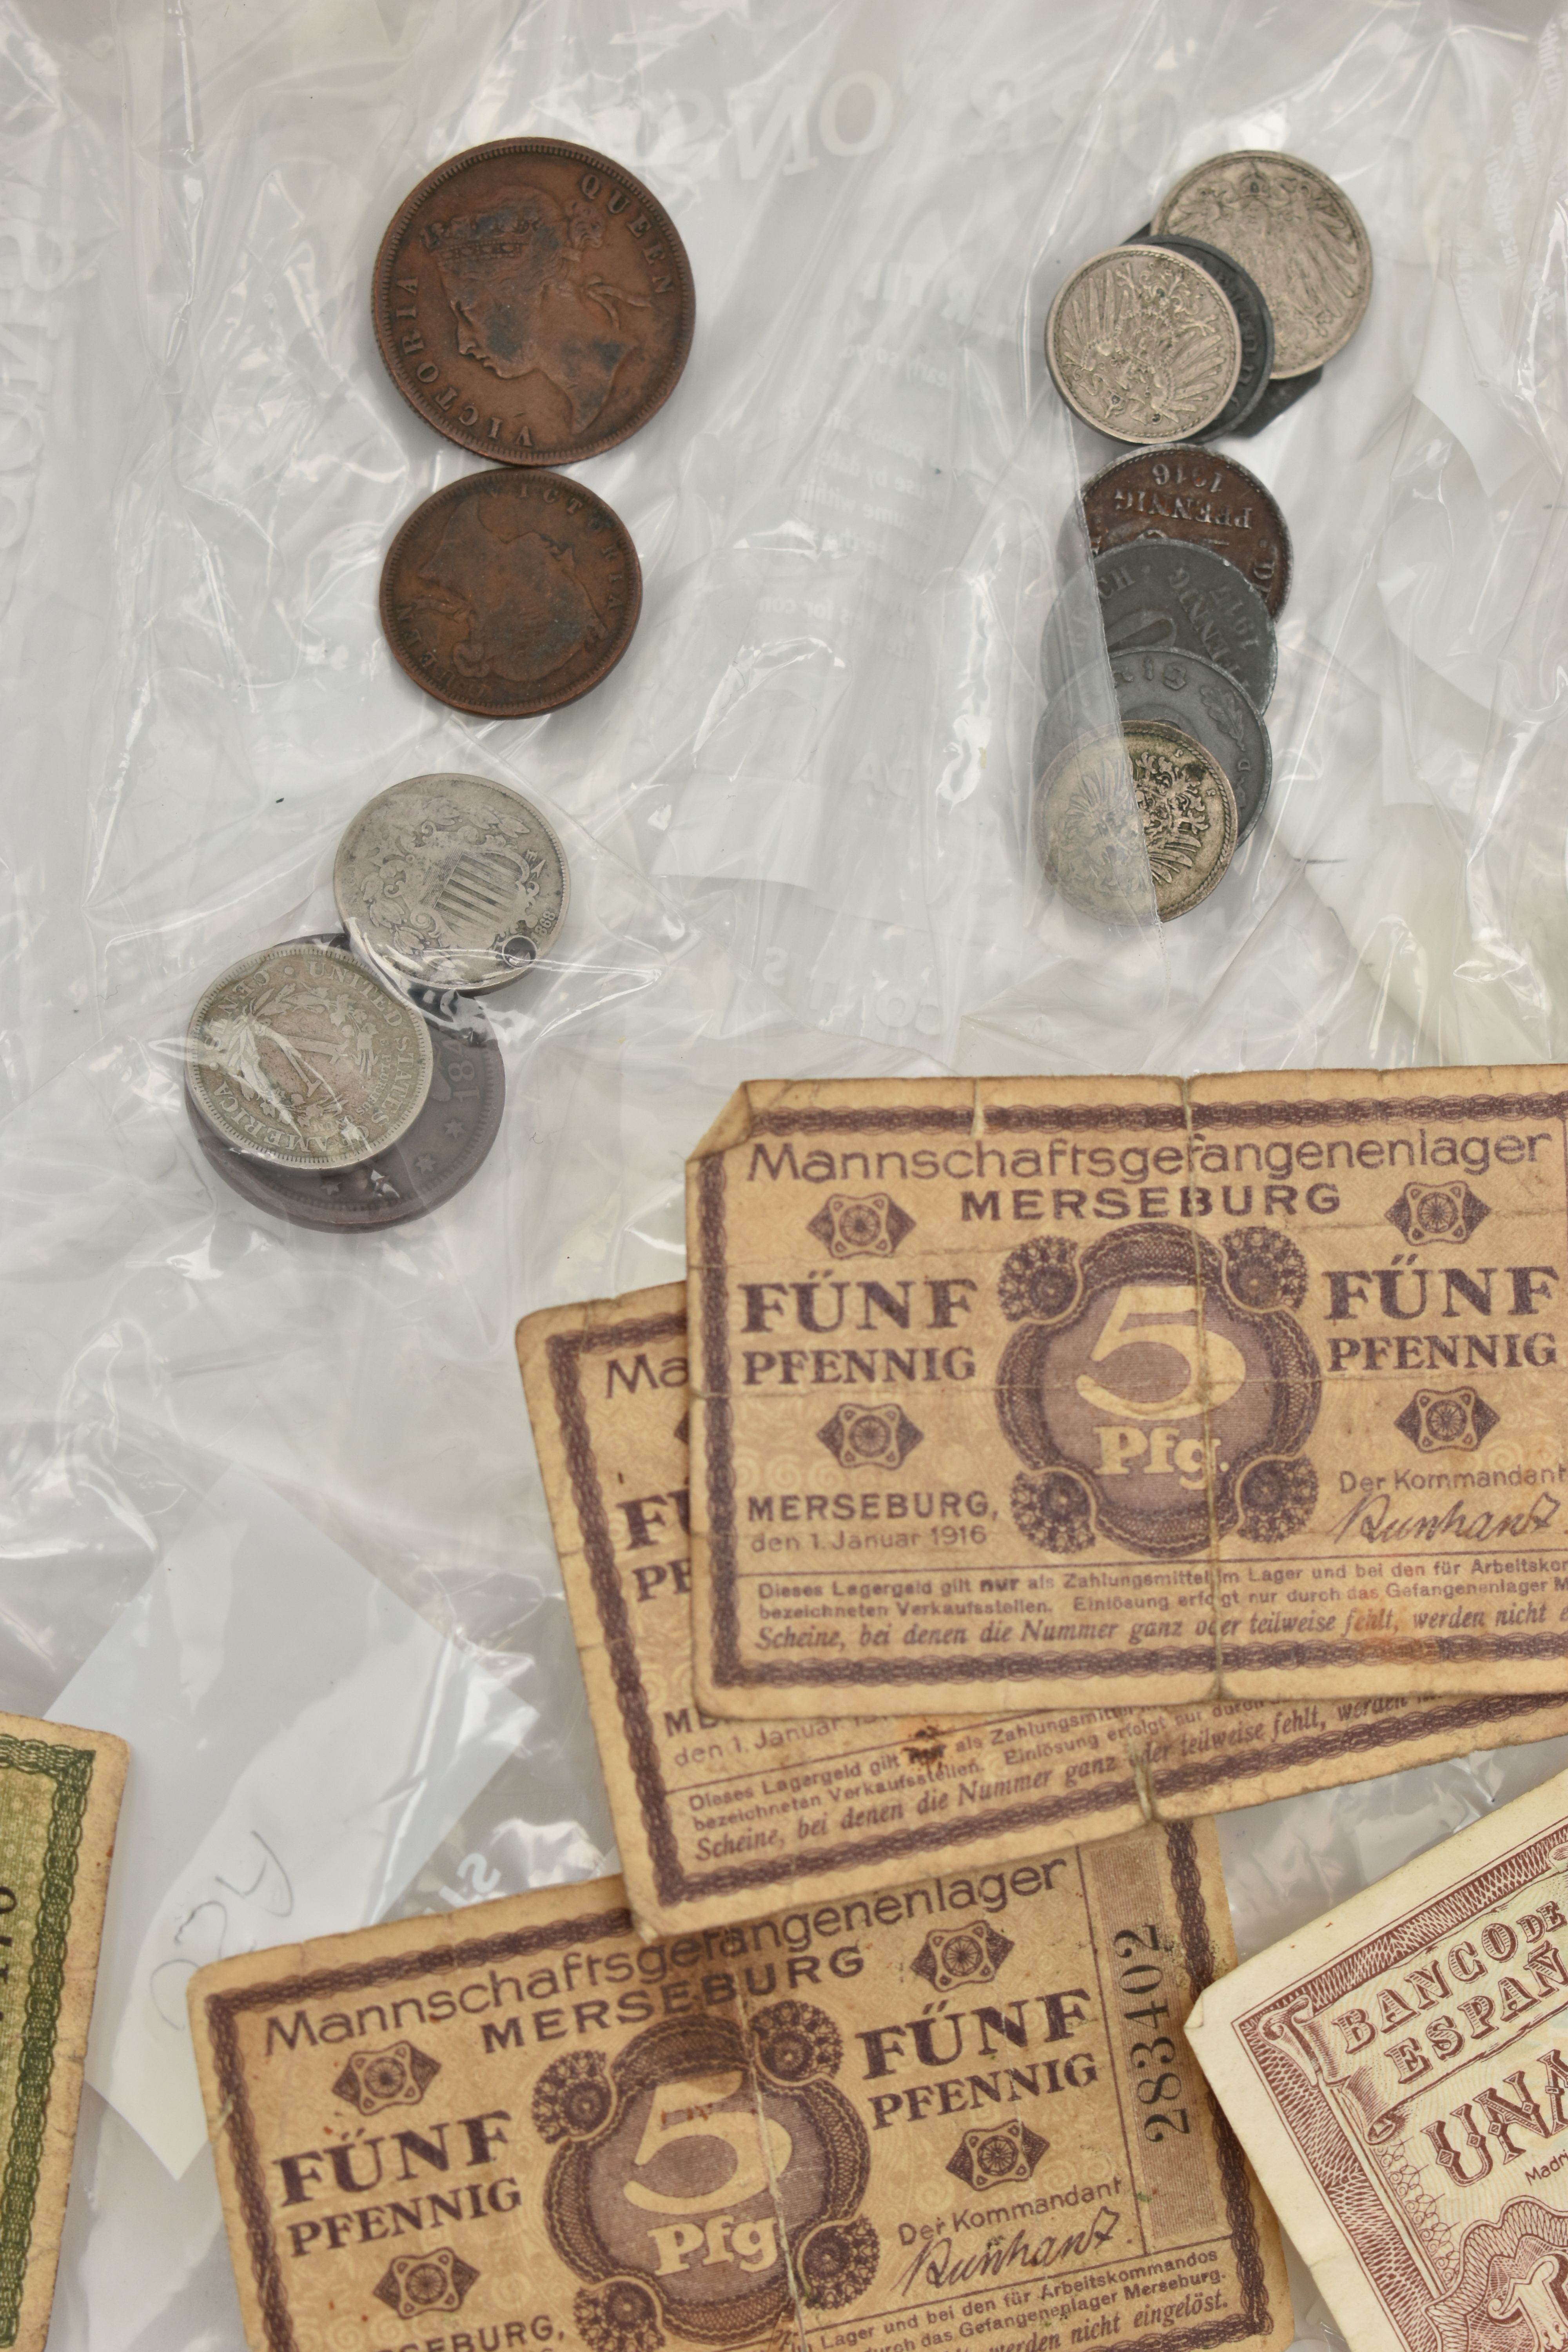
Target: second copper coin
508 594
1196 495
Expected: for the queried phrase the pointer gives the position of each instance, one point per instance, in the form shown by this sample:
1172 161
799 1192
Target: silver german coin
1184 690
1293 229
1143 344
452 882
1088 825
302 1057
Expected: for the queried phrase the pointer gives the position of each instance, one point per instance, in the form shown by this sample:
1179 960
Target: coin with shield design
450 881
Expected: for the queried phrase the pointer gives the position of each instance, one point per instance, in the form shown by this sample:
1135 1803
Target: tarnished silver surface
450 881
1143 344
1087 828
1294 231
302 1057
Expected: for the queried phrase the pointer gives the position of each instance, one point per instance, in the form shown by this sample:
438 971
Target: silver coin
1143 344
1293 230
1252 317
1088 824
302 1057
1179 690
1165 592
452 882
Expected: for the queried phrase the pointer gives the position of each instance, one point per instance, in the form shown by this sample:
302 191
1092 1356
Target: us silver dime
451 881
1294 231
1143 344
1180 802
302 1057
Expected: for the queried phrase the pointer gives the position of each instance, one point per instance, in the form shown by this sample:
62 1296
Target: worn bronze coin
1179 493
1295 231
440 1153
534 302
1252 317
1089 824
508 594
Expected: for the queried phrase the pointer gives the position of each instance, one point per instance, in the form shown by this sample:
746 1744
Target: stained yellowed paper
959 2111
1049 1391
1396 2072
717 1819
59 1798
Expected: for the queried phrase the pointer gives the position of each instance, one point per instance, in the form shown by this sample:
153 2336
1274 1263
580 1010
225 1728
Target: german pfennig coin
1156 593
1143 345
451 881
1295 231
1089 826
1252 317
302 1057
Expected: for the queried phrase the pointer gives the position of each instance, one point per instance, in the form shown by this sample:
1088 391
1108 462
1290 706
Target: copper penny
509 593
534 302
1192 494
440 1153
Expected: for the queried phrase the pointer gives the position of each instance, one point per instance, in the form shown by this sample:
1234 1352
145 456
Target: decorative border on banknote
70 1769
222 2010
1323 2144
728 1665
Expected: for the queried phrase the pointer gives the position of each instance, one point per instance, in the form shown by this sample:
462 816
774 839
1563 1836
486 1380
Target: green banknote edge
71 1769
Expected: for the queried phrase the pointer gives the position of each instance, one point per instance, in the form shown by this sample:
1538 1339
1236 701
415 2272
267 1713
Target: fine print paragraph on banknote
919 2119
59 1799
1396 2072
718 1820
1047 1391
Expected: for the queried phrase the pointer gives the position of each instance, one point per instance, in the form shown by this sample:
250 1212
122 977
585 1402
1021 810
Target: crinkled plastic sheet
798 813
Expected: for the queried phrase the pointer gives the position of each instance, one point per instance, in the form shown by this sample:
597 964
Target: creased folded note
1052 1390
719 1819
956 2113
1395 2070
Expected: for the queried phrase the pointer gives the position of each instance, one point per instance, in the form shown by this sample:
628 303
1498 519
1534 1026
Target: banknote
60 1797
716 1820
955 2113
1396 2072
1051 1390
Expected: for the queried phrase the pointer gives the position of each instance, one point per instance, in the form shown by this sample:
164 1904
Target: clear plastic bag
797 814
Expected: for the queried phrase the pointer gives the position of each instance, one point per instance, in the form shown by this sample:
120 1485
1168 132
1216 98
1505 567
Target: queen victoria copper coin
508 594
534 302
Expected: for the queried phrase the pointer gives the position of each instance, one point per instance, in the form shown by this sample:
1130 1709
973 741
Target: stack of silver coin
351 1079
1212 321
